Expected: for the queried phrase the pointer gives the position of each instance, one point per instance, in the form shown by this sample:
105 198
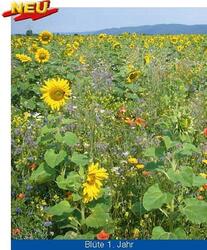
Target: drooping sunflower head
133 76
45 37
96 174
93 184
56 92
42 55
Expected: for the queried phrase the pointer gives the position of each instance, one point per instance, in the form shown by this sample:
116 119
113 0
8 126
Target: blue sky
92 19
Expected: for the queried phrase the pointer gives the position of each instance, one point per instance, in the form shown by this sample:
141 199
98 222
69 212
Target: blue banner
108 244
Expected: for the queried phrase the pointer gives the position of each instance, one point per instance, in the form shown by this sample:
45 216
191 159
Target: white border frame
5 75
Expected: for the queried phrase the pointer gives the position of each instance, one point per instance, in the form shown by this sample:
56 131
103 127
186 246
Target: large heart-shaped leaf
154 198
42 174
54 159
195 210
79 159
61 209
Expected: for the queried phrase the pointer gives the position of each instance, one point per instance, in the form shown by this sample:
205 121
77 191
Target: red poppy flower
205 132
103 235
205 186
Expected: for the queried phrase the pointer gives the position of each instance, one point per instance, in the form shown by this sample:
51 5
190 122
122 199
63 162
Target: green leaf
138 209
199 181
187 150
71 183
195 210
150 152
184 176
70 139
42 174
180 233
54 159
76 197
61 209
158 233
79 159
99 217
167 141
154 198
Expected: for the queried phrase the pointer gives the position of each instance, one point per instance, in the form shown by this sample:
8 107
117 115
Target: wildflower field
109 136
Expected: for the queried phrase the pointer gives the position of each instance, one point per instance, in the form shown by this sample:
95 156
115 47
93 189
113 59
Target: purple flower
47 223
18 210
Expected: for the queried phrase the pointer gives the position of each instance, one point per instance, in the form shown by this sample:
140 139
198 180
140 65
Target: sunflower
55 92
82 59
45 37
133 76
42 55
23 58
102 36
93 184
116 45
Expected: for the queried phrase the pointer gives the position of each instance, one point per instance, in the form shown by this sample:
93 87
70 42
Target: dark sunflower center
57 94
45 37
133 75
42 56
92 179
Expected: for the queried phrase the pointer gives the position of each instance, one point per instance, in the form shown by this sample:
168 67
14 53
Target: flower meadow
109 136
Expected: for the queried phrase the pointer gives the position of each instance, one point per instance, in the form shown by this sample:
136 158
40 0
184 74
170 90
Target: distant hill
156 29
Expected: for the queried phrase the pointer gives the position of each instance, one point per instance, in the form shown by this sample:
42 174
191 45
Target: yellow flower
116 45
136 233
93 184
132 160
203 175
102 36
204 161
179 48
133 76
76 45
69 51
139 166
42 55
23 58
147 58
45 37
82 60
55 92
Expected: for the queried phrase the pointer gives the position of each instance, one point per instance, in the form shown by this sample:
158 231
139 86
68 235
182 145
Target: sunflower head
55 92
42 55
116 45
45 37
93 184
133 76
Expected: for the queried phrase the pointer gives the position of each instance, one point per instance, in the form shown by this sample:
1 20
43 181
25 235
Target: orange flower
16 231
69 195
122 110
146 173
200 197
103 235
205 132
205 186
140 122
20 196
129 121
33 166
